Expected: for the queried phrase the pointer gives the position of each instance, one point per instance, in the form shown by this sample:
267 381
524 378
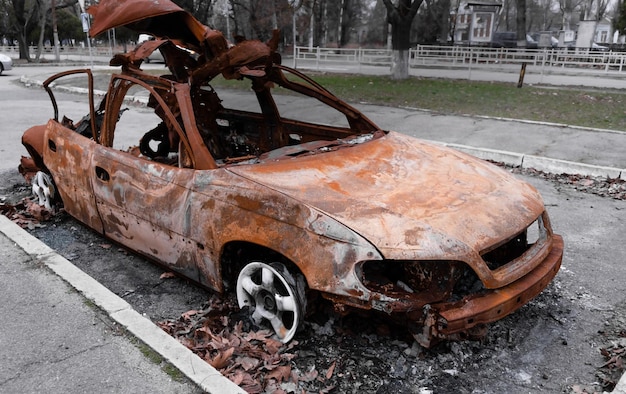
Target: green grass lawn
569 106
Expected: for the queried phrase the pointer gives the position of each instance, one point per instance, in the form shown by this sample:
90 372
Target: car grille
515 247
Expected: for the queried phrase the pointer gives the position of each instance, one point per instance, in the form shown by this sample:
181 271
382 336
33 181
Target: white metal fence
65 52
463 56
421 56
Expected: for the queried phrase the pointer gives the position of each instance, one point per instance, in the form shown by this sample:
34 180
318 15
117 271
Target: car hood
410 198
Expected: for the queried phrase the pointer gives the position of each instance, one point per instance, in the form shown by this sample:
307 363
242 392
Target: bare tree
23 20
257 18
619 21
505 15
444 32
432 22
202 10
400 17
541 16
567 8
295 5
377 25
221 15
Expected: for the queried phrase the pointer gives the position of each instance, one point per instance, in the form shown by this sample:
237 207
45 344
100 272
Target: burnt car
240 196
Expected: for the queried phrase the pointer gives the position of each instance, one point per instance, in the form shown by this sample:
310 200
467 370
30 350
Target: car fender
323 249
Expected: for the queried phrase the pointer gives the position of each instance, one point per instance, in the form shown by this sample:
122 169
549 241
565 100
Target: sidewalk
53 338
58 341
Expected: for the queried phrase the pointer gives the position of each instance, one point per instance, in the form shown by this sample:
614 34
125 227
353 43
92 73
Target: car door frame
67 155
144 204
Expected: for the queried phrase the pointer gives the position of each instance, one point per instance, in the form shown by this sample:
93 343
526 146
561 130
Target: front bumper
461 319
464 319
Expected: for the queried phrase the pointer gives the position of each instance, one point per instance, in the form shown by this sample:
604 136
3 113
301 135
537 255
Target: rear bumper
459 319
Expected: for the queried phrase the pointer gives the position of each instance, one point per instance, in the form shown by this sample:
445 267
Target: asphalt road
22 108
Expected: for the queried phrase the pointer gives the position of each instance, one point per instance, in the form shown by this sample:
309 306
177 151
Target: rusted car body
277 208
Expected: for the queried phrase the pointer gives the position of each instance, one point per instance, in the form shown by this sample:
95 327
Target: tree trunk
340 25
401 43
311 27
445 22
567 17
507 14
401 17
521 23
42 27
274 16
23 44
400 64
20 17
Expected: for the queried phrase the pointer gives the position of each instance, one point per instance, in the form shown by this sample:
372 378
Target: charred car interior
241 196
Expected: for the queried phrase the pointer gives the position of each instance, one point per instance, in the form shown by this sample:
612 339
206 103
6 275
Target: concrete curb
197 370
545 164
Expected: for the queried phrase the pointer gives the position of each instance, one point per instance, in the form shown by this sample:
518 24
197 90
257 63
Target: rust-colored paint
372 219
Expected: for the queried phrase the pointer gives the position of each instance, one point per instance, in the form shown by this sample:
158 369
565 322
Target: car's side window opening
234 122
161 142
244 124
72 114
306 119
305 109
146 130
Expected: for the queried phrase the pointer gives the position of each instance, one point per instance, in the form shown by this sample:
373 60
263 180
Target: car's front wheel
274 296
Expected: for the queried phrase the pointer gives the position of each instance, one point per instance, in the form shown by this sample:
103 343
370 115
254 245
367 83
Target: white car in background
155 56
6 63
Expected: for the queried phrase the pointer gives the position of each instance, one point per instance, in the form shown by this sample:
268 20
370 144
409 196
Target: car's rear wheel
274 296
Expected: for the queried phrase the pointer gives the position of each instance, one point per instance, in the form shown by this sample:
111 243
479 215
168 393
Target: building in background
474 22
